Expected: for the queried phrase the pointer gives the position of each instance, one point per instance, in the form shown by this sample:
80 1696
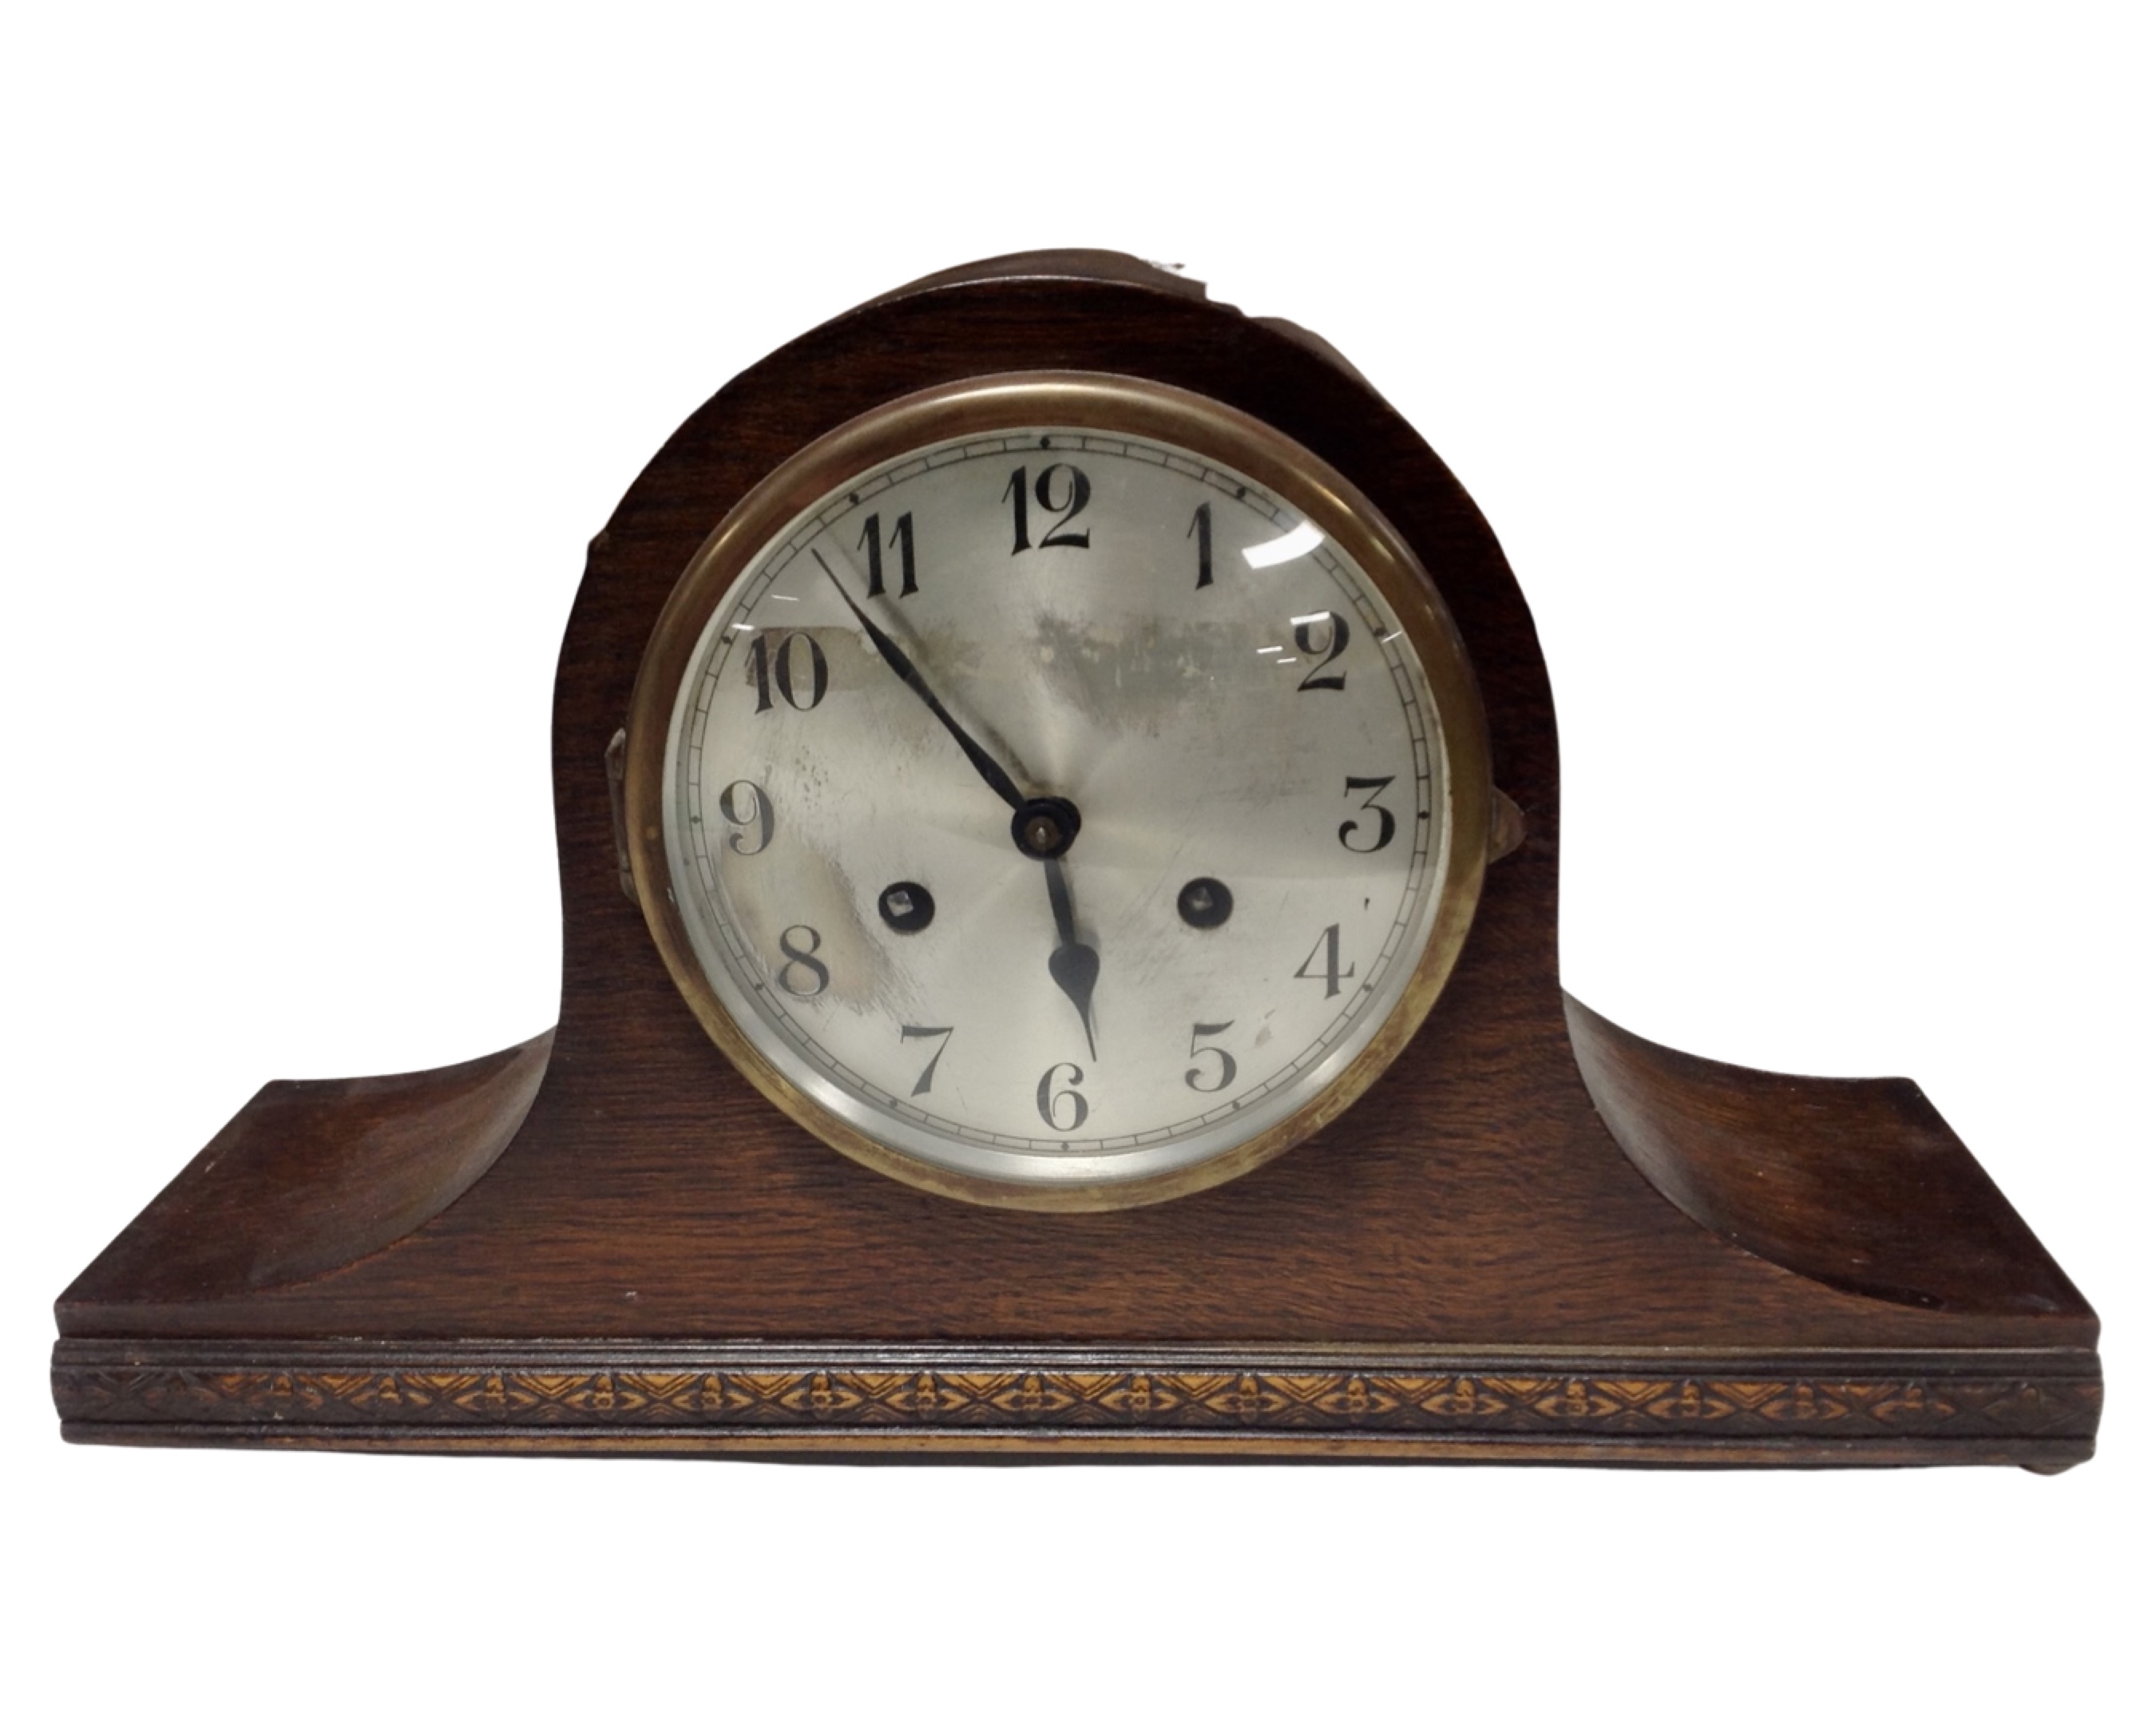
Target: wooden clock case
1537 1238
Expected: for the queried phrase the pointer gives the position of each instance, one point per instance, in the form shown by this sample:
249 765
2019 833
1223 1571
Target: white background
1800 357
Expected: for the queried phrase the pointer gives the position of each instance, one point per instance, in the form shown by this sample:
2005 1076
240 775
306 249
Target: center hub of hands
1044 827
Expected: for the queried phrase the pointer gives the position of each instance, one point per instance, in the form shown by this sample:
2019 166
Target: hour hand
900 661
1074 966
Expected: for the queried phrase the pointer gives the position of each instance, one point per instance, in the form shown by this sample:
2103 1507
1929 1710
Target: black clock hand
1041 824
894 656
1076 967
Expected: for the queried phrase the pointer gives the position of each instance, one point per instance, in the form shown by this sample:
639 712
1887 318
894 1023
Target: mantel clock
1056 803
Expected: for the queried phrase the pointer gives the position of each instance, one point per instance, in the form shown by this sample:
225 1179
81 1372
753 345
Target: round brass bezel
1095 402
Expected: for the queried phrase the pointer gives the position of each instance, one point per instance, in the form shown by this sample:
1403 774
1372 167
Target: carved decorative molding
415 1390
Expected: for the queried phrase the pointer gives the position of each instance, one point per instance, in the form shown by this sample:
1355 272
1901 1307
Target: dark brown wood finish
1489 1254
1854 1182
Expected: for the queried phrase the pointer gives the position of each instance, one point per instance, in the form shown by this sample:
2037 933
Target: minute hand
894 656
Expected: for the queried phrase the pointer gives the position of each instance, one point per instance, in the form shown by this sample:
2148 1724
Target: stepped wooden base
311 1186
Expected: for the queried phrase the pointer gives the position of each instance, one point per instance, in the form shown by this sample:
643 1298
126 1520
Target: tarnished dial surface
1053 811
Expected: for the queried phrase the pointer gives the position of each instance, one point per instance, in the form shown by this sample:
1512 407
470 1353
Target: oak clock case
1459 1216
1224 898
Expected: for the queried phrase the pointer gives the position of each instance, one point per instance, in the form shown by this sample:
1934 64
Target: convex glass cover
1059 791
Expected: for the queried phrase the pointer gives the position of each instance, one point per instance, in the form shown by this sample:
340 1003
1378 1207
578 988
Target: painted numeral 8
803 958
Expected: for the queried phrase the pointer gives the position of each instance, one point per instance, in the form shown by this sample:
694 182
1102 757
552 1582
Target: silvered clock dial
1058 790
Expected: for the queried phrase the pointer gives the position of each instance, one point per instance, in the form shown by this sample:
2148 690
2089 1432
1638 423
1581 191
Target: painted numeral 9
745 806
